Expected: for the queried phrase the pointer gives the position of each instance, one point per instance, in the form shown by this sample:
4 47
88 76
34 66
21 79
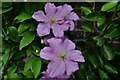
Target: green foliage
108 6
13 33
22 16
20 40
86 10
107 52
87 28
28 37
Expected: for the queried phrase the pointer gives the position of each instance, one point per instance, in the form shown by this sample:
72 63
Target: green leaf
14 75
110 69
6 54
23 26
29 51
13 33
22 17
107 52
12 69
5 57
100 41
33 7
6 4
33 27
5 10
110 28
103 74
86 10
92 58
86 27
35 64
29 63
108 6
100 60
95 16
28 37
114 33
28 74
101 21
36 67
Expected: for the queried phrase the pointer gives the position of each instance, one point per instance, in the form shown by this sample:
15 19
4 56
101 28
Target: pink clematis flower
68 15
46 76
63 57
55 19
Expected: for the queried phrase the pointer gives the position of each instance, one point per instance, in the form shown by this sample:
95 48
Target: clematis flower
63 57
46 76
54 19
68 15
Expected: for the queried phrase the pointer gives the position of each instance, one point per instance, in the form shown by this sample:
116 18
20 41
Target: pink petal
70 66
50 9
62 11
72 25
55 44
64 27
68 8
46 38
25 59
73 16
57 31
56 68
46 75
68 45
43 29
47 53
64 76
75 55
40 16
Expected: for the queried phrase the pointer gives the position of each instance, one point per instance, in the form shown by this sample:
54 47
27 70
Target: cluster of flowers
61 51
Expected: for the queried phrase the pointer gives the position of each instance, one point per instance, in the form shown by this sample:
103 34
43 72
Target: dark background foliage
96 34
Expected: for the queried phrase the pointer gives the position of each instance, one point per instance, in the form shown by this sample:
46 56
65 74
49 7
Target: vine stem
73 76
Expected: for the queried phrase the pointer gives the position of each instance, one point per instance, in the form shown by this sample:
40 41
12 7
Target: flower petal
75 55
25 59
40 16
46 76
68 45
57 31
43 29
50 9
64 27
62 11
64 76
70 66
68 8
71 25
46 38
55 44
73 16
47 53
56 68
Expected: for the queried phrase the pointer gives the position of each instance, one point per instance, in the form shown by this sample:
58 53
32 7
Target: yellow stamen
63 55
53 20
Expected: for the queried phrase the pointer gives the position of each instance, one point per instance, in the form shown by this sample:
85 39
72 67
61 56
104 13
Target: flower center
53 20
62 55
